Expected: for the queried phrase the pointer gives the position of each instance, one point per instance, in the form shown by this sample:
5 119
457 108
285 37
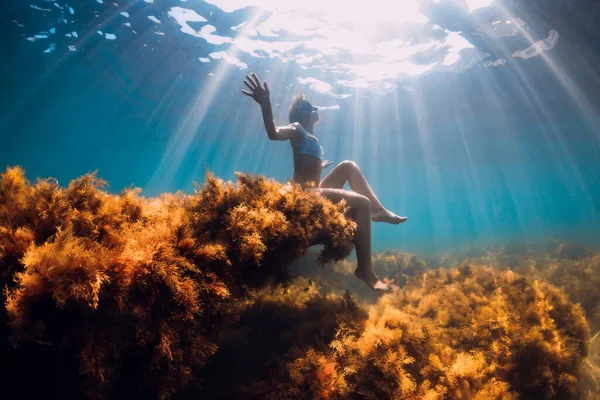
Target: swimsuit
307 144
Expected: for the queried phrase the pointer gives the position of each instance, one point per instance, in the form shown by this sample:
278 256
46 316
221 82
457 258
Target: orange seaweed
121 280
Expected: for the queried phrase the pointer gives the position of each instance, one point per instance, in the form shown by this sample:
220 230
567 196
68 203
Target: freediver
364 206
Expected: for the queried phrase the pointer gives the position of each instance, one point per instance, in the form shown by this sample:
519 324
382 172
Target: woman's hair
296 108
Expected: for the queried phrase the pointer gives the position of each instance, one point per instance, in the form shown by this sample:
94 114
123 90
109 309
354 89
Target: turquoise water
480 131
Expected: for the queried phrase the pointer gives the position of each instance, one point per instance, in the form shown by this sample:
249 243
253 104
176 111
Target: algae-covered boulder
129 290
121 296
570 267
468 333
273 327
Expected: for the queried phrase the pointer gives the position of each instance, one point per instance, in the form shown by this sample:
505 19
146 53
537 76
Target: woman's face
314 115
312 111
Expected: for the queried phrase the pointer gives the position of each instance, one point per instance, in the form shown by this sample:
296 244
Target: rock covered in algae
130 288
135 294
468 333
571 267
272 327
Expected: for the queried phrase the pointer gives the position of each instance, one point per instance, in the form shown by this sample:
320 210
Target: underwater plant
129 290
272 327
472 332
571 267
190 296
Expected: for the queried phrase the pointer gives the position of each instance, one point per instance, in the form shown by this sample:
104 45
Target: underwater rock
571 267
273 327
124 296
129 290
472 332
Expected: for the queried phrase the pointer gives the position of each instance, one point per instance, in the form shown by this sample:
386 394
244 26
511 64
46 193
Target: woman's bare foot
370 279
384 215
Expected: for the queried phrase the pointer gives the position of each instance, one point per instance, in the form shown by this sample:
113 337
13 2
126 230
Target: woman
364 206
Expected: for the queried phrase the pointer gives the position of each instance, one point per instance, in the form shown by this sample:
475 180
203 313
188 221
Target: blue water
474 154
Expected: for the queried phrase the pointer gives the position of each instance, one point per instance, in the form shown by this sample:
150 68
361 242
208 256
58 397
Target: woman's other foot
384 215
370 279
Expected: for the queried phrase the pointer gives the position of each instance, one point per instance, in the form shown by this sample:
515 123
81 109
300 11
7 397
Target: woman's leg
348 171
360 212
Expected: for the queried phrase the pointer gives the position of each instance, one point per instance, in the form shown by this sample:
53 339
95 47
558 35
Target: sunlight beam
180 141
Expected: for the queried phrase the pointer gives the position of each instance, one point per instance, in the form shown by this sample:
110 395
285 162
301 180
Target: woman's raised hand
259 93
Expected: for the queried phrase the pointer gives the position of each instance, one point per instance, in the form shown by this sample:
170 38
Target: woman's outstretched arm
261 95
